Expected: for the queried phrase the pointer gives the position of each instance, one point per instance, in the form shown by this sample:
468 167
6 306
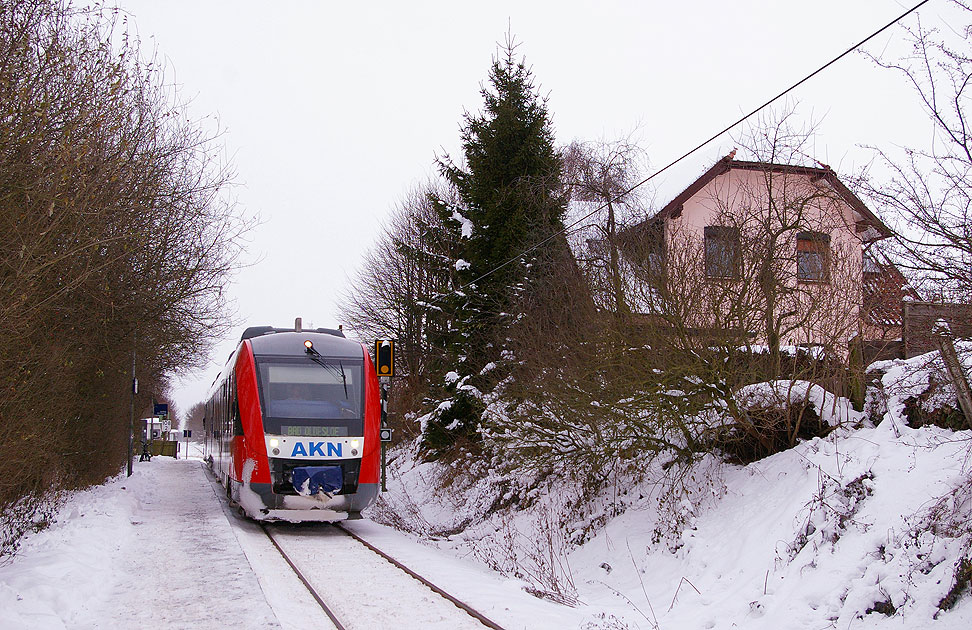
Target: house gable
868 226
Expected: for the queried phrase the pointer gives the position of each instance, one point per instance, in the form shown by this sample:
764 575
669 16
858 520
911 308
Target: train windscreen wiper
319 359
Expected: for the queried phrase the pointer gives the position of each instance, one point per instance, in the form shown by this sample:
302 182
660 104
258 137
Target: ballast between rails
472 612
300 576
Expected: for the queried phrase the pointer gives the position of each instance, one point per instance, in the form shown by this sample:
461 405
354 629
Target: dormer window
721 252
813 257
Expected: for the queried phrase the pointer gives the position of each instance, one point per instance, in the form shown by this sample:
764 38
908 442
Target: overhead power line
696 147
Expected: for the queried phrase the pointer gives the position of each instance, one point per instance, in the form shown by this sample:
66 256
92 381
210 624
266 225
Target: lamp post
131 423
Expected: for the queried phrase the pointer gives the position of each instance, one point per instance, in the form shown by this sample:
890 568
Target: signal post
385 366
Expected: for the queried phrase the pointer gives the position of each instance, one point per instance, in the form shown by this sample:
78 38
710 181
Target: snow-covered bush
30 513
919 390
769 417
935 406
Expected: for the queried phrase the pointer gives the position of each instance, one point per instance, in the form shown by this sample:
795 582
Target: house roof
867 218
884 287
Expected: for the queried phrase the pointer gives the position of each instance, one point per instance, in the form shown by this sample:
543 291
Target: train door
205 423
224 434
237 441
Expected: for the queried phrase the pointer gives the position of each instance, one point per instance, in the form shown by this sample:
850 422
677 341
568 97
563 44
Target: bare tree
931 190
402 290
194 419
601 177
117 239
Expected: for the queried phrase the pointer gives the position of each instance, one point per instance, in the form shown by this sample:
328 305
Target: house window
721 252
813 257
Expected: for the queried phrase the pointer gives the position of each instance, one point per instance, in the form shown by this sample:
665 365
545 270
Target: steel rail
300 576
472 612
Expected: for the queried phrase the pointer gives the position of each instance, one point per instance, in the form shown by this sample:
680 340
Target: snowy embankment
870 527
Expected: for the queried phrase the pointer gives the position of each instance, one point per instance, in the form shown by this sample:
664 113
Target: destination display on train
313 431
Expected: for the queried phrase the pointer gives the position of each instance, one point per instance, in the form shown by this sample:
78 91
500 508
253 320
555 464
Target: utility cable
696 147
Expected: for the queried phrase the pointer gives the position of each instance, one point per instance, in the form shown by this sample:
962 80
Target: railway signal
385 357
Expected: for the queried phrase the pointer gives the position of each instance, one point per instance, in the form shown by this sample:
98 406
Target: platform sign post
187 433
160 411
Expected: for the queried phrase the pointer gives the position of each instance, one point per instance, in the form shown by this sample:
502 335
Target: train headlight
355 443
274 442
309 345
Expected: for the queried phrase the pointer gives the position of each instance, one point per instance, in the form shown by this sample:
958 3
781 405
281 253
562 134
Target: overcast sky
332 111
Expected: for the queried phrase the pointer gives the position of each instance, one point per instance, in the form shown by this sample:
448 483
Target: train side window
237 423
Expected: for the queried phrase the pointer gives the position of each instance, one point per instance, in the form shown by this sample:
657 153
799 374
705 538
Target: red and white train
292 425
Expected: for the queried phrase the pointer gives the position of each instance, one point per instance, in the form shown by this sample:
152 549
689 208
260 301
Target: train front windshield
307 399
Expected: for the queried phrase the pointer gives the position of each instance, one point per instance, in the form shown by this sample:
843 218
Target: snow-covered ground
862 529
865 528
814 537
160 549
152 550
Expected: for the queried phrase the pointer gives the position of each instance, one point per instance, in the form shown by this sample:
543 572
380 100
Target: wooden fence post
953 367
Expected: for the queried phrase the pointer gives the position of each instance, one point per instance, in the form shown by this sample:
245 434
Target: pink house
773 252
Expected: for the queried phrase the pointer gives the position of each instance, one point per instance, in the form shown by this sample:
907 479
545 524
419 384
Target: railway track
359 586
300 576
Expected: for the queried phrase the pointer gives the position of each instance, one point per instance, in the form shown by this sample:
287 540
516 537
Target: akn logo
317 449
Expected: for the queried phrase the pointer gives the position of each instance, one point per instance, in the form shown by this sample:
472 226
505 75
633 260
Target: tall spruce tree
510 192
